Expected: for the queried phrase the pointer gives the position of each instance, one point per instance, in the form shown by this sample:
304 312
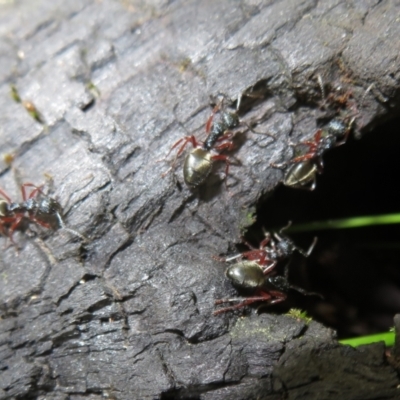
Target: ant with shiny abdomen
250 275
254 272
36 207
199 162
303 169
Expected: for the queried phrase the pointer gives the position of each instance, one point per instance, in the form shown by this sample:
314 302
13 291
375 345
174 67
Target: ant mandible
40 211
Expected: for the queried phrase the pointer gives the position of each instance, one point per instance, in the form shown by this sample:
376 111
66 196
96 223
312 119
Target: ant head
284 246
231 119
282 284
279 282
337 128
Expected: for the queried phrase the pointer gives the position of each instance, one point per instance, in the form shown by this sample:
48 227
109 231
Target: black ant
43 211
199 162
252 273
304 168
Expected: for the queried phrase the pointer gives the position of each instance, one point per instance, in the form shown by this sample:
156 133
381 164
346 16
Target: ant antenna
289 224
282 283
369 88
321 86
71 231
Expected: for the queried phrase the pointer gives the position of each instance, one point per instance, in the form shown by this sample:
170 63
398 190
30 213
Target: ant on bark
254 273
250 275
199 161
35 207
303 169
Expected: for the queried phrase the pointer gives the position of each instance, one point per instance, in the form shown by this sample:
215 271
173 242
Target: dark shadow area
356 270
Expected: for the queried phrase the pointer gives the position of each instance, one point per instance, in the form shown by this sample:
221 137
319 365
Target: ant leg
280 165
270 267
17 220
3 222
6 197
225 146
310 249
228 135
185 141
211 117
226 259
289 224
308 156
221 157
257 132
265 241
249 245
255 255
35 191
39 222
321 86
72 231
263 296
346 135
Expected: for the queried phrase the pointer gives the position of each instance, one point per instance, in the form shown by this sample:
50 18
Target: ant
304 168
250 275
199 162
42 211
271 250
253 273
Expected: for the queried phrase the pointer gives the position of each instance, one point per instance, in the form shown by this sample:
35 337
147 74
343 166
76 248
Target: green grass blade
347 223
387 337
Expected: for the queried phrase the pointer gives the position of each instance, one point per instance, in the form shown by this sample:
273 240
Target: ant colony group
255 270
35 207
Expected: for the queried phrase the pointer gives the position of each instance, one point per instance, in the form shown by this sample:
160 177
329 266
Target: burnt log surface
116 83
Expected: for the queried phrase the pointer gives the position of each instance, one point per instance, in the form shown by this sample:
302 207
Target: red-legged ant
199 161
36 207
254 272
250 275
303 169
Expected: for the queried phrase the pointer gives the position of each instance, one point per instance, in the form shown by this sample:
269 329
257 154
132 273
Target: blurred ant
43 211
199 161
253 273
304 168
250 276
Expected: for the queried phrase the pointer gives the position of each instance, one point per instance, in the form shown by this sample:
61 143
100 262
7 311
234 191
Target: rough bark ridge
117 83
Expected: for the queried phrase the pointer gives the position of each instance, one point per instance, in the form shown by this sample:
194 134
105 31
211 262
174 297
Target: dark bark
129 315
